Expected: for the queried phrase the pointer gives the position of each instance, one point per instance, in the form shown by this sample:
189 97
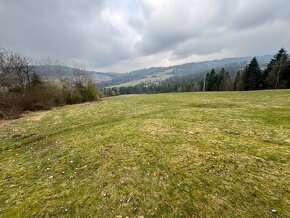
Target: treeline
174 84
22 89
276 75
217 81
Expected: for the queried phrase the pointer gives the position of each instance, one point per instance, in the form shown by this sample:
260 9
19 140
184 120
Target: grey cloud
254 13
213 27
195 46
61 29
134 34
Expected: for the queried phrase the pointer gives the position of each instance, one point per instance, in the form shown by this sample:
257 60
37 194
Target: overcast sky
123 35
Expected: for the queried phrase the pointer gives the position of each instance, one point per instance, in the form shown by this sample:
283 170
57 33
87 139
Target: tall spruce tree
252 76
277 73
211 81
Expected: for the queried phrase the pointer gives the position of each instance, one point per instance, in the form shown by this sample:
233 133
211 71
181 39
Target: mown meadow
213 154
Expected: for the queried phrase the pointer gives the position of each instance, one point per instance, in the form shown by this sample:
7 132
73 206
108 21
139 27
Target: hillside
155 75
52 72
220 154
150 75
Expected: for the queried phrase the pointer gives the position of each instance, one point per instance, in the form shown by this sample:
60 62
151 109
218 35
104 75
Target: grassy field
167 155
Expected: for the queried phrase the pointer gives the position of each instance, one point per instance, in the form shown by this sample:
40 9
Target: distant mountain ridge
52 72
156 74
103 79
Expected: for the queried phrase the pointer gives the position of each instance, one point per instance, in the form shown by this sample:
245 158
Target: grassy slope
215 154
147 80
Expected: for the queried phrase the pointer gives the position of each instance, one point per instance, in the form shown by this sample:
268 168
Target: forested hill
157 74
149 74
225 75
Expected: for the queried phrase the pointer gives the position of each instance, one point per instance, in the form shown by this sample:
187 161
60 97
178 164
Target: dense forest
276 75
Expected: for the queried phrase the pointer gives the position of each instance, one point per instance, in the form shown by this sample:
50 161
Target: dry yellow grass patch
156 127
3 124
194 130
34 117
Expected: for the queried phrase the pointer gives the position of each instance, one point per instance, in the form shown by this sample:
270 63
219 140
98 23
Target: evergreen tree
252 76
237 82
277 72
211 81
222 80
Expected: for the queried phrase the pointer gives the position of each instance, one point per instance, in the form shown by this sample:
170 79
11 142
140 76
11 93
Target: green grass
168 155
